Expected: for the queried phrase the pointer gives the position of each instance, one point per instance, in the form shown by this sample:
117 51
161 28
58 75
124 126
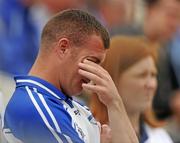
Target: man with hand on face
42 110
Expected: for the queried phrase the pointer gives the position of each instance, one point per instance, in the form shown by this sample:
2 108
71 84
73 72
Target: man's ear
62 47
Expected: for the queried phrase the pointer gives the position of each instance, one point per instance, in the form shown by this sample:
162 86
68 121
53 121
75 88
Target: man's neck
40 70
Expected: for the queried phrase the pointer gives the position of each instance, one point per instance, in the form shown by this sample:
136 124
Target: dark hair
76 25
150 3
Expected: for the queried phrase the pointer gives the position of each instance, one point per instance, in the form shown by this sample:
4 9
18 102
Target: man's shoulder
32 113
19 99
19 107
27 102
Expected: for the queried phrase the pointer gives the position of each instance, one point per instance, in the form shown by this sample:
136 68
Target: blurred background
21 23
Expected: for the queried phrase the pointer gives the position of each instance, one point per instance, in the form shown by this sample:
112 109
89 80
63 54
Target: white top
157 135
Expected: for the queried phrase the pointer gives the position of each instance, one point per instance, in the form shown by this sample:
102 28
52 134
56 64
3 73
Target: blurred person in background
168 14
161 19
111 13
173 126
159 23
131 62
18 43
20 28
174 54
18 35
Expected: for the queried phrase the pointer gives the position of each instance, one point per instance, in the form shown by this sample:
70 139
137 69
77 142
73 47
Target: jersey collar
40 84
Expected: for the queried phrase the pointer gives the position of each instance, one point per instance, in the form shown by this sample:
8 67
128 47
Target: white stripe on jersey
38 84
52 116
49 112
42 115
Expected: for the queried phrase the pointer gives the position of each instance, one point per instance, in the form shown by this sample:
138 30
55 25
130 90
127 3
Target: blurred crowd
133 26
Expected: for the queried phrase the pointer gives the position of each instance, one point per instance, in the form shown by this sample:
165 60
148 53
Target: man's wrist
115 104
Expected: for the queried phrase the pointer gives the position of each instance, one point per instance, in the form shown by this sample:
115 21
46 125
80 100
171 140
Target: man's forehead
96 41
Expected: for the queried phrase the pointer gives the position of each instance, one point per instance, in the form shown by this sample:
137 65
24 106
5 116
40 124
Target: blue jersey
40 113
